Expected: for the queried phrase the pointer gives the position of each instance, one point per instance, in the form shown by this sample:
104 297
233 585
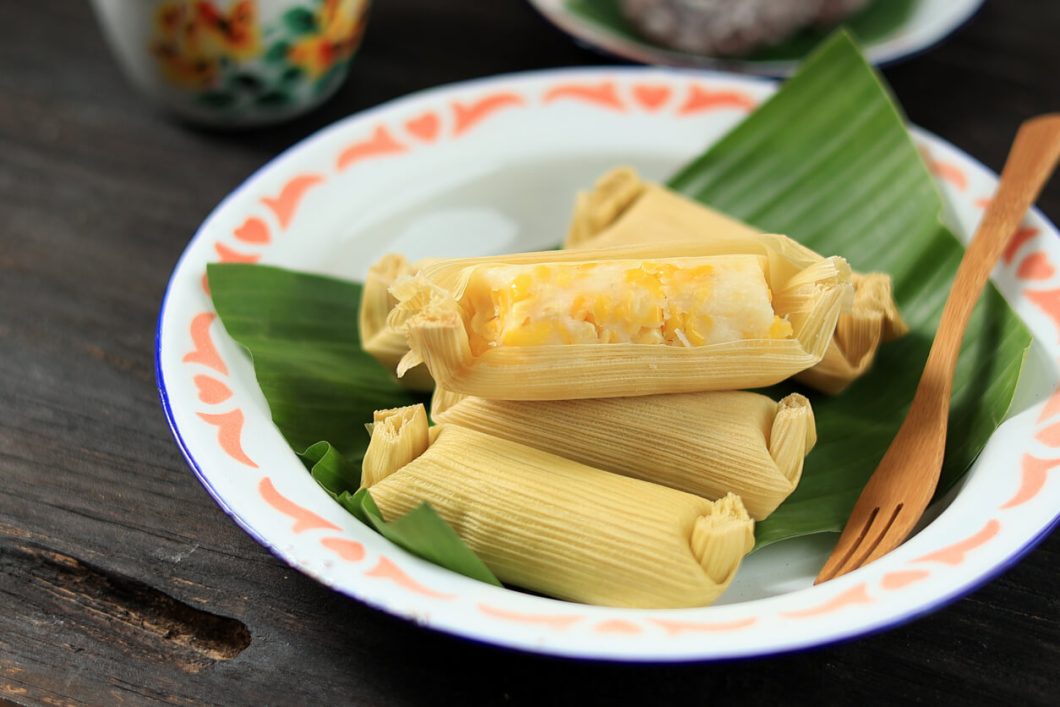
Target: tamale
627 321
556 526
623 210
707 444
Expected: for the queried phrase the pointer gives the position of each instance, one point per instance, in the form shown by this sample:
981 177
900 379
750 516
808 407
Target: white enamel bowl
490 166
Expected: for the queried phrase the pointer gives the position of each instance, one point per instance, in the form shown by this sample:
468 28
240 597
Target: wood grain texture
903 483
98 196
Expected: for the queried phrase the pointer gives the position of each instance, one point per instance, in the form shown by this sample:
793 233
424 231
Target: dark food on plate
730 27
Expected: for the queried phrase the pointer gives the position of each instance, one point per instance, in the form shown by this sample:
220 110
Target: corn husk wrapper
808 290
873 320
707 444
555 526
622 210
384 343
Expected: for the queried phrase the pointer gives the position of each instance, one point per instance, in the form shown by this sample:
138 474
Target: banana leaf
300 330
421 531
829 162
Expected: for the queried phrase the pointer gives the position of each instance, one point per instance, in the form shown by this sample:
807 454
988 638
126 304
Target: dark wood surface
121 580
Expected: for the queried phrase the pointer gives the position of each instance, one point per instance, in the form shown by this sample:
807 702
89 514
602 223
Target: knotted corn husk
623 210
555 526
873 320
707 444
808 291
384 343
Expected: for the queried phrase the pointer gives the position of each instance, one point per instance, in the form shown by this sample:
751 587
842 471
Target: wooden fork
903 483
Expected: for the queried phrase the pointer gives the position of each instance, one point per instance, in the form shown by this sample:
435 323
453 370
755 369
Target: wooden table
120 579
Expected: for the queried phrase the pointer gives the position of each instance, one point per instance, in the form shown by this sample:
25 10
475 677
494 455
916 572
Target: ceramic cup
235 62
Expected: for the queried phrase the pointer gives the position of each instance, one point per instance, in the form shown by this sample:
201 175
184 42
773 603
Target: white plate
491 166
929 22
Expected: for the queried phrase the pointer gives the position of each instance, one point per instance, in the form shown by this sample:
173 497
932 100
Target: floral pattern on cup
233 62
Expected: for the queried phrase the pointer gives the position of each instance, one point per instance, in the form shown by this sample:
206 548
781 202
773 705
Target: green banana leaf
421 531
876 22
301 332
829 162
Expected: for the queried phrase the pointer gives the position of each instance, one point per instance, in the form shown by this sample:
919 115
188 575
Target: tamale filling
684 302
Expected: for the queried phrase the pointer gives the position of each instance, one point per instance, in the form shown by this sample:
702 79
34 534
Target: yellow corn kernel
689 302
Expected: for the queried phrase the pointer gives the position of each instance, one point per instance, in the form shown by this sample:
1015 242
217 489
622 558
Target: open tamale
556 526
623 210
708 444
639 320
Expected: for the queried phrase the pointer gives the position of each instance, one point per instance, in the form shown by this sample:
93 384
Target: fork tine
871 542
892 536
876 539
860 522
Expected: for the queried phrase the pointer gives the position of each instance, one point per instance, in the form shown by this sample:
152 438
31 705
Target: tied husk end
432 322
792 436
813 302
381 341
398 436
873 320
721 538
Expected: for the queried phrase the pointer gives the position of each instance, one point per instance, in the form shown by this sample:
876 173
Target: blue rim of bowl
840 637
777 69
